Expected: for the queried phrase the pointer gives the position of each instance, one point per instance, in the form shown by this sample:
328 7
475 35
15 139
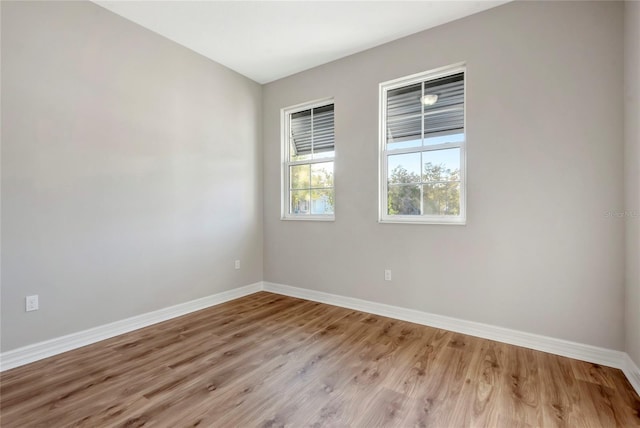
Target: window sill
433 221
309 218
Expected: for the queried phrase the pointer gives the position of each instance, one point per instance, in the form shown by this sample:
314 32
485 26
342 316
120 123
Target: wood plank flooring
267 360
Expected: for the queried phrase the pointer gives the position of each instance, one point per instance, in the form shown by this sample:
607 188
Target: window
308 147
422 148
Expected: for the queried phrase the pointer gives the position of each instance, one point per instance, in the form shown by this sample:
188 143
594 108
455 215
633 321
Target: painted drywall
632 176
131 171
545 166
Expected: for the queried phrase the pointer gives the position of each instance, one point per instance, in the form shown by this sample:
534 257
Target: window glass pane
302 117
445 120
299 202
404 113
443 139
441 198
295 156
300 175
449 91
441 165
323 131
403 199
300 129
404 101
322 201
397 137
404 168
322 174
324 154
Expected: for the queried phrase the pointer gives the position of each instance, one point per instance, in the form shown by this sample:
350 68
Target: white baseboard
632 372
565 348
592 354
28 354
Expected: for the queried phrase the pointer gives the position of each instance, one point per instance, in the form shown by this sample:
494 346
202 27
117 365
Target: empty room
320 214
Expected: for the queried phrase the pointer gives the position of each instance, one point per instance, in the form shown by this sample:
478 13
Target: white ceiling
268 40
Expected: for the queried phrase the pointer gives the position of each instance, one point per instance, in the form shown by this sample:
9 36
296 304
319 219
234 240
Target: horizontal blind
405 114
313 129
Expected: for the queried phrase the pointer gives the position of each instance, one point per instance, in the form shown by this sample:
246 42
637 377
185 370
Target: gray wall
632 175
131 171
545 165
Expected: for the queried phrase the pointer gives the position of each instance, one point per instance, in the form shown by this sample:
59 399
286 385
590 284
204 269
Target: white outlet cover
31 303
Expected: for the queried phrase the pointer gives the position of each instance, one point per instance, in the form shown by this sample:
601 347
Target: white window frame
285 163
426 76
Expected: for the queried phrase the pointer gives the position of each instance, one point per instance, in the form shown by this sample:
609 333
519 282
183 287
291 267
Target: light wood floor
267 361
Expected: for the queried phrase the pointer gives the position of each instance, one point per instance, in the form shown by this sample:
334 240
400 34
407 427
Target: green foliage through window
438 194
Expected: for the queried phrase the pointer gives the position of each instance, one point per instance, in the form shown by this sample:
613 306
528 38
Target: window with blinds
308 146
312 131
422 148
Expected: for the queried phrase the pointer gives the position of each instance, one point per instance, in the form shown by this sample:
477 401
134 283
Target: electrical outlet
31 303
237 264
387 274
